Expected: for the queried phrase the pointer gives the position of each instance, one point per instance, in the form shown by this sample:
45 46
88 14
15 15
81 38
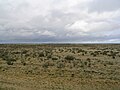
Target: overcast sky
76 21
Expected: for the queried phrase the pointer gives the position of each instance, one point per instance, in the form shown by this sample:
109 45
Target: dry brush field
60 67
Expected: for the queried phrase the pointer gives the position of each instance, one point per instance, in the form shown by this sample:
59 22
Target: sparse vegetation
59 67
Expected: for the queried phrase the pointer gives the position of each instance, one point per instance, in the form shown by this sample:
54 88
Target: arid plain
60 67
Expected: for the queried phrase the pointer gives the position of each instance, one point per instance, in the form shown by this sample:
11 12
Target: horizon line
58 43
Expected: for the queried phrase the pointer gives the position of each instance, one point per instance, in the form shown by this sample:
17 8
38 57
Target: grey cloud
104 5
50 21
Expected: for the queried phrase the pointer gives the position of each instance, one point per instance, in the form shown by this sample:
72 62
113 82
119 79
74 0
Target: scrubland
60 67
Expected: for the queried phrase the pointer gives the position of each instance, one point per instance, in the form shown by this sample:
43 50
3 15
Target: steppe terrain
60 67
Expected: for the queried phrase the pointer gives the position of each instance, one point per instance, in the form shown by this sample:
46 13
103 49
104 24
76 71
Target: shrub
69 57
73 52
45 65
88 59
24 51
85 63
110 63
9 62
72 75
54 58
83 54
11 59
113 57
23 62
49 56
48 64
93 54
60 65
41 54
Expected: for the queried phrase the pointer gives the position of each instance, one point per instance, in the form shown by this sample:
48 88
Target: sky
60 21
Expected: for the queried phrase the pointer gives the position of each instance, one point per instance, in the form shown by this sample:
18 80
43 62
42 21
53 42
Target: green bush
41 54
9 62
60 65
54 58
69 57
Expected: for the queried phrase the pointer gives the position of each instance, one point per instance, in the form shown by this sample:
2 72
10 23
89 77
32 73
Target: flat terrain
60 67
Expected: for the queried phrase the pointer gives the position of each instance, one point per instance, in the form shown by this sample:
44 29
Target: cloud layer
60 21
